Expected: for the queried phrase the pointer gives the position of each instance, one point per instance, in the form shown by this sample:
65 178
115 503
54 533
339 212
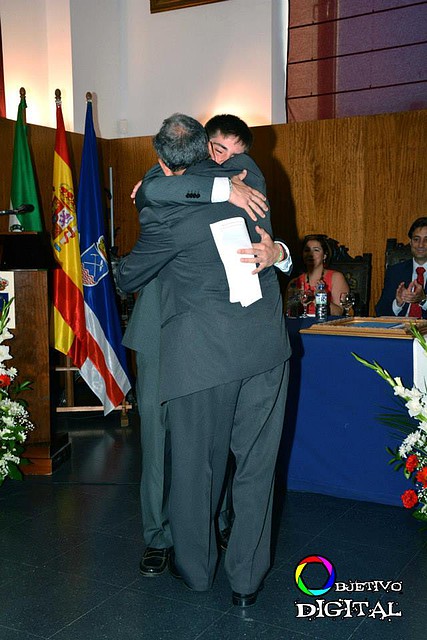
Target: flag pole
110 178
69 368
14 223
23 96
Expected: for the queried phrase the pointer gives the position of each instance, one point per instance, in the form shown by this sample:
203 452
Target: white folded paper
230 235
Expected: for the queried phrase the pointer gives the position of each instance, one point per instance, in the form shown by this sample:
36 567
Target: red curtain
350 58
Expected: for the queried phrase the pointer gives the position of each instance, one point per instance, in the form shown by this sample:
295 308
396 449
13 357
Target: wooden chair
357 272
396 252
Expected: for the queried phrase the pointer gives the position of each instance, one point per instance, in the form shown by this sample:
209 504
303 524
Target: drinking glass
293 305
306 297
347 301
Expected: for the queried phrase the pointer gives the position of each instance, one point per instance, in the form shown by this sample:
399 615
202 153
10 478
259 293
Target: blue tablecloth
333 442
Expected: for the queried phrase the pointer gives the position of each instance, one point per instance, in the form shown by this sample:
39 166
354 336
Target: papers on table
230 235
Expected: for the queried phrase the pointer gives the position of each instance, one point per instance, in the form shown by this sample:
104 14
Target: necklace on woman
321 278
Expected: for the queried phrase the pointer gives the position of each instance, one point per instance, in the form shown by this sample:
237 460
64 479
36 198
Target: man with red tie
405 283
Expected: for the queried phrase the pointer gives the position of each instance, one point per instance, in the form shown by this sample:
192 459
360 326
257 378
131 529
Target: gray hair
181 142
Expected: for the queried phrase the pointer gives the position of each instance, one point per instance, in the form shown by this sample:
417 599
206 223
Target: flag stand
69 395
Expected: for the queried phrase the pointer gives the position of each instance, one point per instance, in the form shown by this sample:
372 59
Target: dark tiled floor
71 544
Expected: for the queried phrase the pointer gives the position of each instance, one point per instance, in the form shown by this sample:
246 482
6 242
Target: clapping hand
412 294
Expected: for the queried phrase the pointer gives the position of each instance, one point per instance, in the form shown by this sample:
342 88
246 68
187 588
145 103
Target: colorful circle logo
310 560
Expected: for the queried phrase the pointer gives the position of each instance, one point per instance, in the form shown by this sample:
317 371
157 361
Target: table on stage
333 442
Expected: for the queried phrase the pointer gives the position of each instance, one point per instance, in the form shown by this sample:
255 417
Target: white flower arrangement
411 455
14 418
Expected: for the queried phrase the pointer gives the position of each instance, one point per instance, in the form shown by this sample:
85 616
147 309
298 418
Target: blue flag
104 369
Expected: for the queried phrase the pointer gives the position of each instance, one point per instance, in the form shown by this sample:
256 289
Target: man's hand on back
134 190
264 253
247 198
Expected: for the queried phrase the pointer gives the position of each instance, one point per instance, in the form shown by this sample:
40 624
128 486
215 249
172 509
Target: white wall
221 57
37 56
200 60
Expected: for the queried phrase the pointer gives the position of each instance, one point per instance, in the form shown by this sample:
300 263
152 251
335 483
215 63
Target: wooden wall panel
326 185
270 152
130 158
360 180
395 182
42 144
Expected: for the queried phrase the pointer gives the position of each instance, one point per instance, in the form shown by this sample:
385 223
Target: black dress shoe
246 599
154 562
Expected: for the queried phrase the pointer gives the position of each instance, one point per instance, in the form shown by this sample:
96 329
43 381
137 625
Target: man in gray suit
228 135
223 370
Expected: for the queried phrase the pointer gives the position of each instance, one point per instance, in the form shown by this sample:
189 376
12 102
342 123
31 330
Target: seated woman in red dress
316 255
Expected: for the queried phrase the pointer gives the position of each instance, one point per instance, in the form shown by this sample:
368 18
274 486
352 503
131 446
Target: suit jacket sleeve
230 168
237 163
195 185
393 277
154 248
254 179
158 190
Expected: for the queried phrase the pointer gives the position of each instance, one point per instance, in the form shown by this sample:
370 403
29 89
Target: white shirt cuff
285 265
220 190
396 308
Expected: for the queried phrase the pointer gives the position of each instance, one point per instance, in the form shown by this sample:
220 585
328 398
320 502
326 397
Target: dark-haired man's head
418 236
228 136
417 224
181 142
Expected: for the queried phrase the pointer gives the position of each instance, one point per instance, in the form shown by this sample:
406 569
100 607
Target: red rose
409 499
411 463
4 380
422 476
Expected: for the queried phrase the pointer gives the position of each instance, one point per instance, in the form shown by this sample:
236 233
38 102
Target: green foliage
411 456
14 418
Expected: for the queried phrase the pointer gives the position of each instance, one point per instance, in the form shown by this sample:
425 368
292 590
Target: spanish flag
69 325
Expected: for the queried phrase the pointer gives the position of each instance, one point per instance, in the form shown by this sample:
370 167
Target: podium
27 257
30 352
20 253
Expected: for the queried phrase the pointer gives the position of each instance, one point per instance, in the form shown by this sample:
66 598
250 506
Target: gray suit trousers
246 415
154 438
143 336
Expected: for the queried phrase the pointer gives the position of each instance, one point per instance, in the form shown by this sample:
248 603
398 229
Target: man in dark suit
228 136
404 292
223 370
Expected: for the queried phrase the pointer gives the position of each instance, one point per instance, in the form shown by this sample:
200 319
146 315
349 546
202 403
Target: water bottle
321 299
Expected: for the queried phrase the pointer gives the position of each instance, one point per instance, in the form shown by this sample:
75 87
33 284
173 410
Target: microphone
23 208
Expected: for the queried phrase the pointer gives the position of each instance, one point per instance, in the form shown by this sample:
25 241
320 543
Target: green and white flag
23 190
